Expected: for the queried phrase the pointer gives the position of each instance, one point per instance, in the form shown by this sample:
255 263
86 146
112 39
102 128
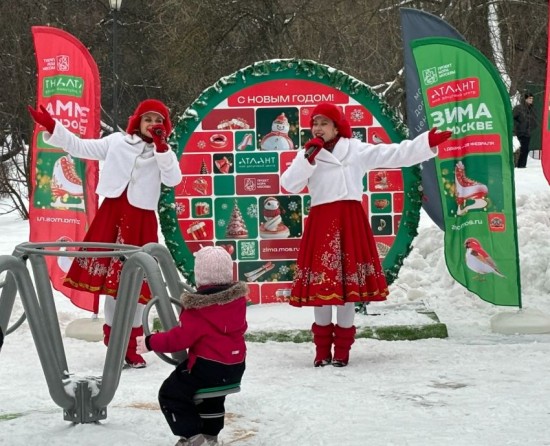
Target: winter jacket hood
212 326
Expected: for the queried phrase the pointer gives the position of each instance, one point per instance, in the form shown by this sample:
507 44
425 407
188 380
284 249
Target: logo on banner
58 63
63 85
430 76
63 63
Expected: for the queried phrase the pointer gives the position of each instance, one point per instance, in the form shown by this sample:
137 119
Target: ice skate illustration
66 186
468 189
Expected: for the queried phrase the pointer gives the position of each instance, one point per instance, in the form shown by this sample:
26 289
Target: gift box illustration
197 231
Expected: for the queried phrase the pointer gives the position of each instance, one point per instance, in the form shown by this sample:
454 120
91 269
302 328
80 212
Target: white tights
345 314
109 309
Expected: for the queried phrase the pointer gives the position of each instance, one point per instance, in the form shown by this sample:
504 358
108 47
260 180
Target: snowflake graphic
292 206
283 269
224 206
252 210
180 208
357 135
201 144
221 223
357 115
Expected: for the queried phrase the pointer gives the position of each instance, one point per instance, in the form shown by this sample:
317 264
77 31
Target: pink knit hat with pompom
213 266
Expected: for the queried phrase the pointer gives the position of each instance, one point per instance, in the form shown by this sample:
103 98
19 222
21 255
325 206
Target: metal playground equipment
85 400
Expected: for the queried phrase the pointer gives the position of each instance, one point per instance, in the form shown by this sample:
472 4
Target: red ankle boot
343 339
132 358
322 337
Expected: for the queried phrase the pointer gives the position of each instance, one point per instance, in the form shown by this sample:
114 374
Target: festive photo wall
236 140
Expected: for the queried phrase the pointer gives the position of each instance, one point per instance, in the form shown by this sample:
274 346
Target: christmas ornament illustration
478 260
273 227
66 186
223 164
468 189
229 248
236 227
278 138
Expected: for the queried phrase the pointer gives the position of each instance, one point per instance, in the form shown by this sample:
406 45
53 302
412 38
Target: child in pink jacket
212 327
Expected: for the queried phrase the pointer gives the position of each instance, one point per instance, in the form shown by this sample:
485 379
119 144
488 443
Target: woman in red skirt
338 263
134 167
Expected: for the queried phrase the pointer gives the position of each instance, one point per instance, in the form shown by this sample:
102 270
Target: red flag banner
545 158
63 200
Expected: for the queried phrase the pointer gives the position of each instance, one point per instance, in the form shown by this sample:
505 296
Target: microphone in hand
158 133
313 147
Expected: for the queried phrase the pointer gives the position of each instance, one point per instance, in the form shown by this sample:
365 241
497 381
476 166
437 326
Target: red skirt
116 221
338 261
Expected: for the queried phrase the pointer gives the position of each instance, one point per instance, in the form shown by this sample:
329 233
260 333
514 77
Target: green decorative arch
293 69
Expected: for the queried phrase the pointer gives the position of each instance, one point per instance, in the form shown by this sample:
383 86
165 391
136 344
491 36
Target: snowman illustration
273 227
278 138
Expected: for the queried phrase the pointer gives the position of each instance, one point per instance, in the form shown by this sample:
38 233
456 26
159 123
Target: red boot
106 334
343 339
132 358
322 337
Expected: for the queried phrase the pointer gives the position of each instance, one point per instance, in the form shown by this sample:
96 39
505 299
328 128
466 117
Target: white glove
141 348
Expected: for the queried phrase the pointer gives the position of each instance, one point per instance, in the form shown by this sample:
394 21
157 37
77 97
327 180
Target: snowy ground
474 388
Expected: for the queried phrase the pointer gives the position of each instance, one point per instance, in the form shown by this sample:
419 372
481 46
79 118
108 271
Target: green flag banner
463 93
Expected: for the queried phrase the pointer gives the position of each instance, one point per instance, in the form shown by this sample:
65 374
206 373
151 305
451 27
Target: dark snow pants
177 391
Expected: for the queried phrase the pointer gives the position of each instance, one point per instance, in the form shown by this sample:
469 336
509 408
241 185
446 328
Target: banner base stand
89 329
523 321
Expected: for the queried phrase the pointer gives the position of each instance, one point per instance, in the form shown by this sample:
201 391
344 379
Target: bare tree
173 50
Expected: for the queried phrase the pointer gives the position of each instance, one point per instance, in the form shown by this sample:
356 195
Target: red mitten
158 133
43 118
436 137
313 147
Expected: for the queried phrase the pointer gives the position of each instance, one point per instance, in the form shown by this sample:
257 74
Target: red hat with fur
334 113
149 106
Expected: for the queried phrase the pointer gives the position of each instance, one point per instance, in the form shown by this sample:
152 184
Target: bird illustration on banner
478 260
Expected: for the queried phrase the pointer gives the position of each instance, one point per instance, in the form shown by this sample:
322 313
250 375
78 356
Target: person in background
525 121
211 327
338 263
135 165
